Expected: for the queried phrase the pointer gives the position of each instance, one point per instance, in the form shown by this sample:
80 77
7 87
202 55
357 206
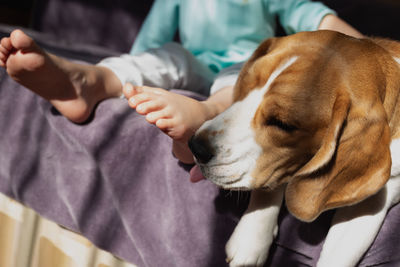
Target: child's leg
176 115
74 89
170 66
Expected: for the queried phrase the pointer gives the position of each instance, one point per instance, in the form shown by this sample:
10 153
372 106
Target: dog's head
308 112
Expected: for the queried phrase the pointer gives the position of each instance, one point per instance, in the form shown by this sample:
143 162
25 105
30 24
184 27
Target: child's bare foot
73 89
176 115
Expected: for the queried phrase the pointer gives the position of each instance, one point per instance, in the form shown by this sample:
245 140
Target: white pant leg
168 67
226 77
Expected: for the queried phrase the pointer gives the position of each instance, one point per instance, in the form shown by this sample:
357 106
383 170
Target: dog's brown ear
352 163
248 78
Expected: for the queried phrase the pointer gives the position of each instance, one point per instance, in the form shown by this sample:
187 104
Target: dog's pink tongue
196 175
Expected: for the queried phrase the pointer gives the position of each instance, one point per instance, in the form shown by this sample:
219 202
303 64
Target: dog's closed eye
275 122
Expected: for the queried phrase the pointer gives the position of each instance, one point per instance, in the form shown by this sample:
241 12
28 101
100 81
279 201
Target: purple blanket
115 181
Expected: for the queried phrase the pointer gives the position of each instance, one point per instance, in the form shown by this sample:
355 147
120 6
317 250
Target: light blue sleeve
298 15
159 27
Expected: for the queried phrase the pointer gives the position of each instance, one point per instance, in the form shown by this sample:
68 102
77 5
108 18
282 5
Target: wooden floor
28 240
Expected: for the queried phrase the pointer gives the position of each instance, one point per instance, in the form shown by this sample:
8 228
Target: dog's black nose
200 149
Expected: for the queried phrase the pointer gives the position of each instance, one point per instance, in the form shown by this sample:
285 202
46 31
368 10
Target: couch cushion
108 23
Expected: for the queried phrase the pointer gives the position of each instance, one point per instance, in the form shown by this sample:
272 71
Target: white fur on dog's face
233 164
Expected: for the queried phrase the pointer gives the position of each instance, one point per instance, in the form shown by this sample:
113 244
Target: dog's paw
242 255
249 246
250 242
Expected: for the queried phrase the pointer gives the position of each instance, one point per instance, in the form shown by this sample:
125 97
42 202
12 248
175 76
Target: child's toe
164 124
5 44
154 90
153 117
150 106
128 90
20 40
136 100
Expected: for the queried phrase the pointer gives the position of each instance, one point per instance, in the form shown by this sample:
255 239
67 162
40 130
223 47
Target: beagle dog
315 119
